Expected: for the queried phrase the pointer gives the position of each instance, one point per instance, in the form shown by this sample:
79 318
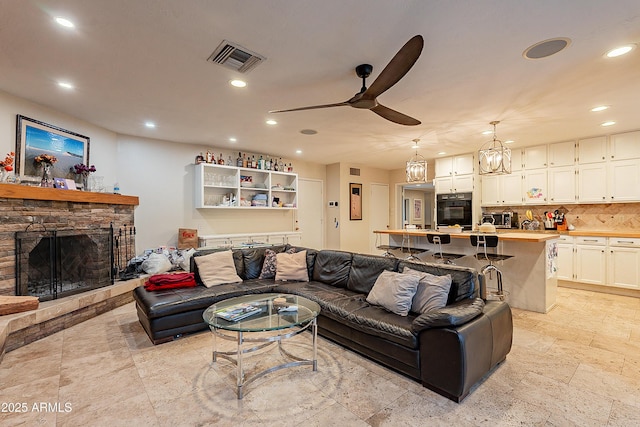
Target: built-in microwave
454 209
501 219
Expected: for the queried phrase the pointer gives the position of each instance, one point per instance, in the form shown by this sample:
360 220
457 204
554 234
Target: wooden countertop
14 191
515 236
605 233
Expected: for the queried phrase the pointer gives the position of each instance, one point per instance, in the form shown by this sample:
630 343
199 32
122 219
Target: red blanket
170 281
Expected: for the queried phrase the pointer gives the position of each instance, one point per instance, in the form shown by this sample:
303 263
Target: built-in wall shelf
230 187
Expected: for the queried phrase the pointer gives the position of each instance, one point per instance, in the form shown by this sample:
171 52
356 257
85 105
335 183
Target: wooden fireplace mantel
13 191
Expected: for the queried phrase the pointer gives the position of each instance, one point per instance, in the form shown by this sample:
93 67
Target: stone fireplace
70 227
55 264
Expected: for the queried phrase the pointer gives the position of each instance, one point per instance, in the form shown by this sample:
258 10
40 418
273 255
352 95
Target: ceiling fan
392 73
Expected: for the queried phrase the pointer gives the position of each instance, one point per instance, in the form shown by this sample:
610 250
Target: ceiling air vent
354 171
235 57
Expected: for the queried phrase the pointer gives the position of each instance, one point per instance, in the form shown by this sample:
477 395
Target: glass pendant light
494 157
417 167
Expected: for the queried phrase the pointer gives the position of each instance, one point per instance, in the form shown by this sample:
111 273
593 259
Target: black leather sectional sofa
447 350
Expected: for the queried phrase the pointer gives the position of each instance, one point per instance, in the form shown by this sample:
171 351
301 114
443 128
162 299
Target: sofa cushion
394 291
332 267
254 259
292 266
365 270
432 292
237 260
463 279
217 268
269 264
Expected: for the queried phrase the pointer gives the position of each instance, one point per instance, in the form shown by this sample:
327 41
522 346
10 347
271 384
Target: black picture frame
34 137
355 201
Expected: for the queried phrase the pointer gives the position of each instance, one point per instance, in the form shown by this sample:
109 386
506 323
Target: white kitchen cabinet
566 249
562 184
490 194
562 154
592 183
624 180
592 150
516 159
591 260
625 146
510 187
454 184
456 165
535 157
219 186
535 186
623 263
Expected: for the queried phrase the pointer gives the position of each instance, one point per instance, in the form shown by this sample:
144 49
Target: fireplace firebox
55 264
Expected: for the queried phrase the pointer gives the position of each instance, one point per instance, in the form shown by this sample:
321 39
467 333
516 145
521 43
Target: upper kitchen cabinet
625 146
516 159
592 150
535 187
535 157
562 154
456 165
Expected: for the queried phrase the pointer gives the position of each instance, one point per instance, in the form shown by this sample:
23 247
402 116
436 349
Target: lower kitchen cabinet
591 264
624 262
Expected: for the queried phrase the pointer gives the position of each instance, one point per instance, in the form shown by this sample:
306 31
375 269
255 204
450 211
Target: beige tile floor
577 365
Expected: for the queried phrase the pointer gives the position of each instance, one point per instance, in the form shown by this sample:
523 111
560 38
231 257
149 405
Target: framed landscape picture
355 201
35 138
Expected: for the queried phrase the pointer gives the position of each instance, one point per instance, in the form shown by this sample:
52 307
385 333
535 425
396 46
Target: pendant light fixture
417 167
494 157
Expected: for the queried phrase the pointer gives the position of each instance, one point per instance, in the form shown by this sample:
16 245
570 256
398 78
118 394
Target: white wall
160 173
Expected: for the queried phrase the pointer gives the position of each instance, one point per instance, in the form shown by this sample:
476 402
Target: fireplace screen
55 264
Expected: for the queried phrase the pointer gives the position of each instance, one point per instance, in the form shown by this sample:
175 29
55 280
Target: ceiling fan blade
394 116
396 68
313 107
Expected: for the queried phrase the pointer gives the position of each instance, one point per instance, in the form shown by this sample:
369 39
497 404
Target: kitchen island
529 277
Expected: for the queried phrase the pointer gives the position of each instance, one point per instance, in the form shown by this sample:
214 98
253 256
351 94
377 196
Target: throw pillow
292 267
217 268
432 293
156 264
270 262
394 291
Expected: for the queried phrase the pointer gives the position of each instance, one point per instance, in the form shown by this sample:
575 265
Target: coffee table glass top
261 312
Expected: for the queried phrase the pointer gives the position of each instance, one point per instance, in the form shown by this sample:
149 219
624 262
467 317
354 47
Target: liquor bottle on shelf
209 157
229 161
220 160
290 169
267 163
242 160
254 164
281 167
275 165
199 159
260 163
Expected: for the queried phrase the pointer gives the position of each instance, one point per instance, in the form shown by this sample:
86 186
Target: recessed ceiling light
509 141
441 153
271 122
65 85
308 131
150 124
238 83
298 151
64 22
599 108
618 51
609 123
487 132
232 139
546 48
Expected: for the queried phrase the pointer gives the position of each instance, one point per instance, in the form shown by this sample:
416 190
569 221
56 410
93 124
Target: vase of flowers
46 161
6 166
83 171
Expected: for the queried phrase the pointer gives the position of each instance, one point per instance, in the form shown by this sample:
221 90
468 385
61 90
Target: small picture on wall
355 201
417 210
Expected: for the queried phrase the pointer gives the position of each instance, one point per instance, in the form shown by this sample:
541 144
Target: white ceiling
137 60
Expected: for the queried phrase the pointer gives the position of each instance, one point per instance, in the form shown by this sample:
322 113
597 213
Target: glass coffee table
277 316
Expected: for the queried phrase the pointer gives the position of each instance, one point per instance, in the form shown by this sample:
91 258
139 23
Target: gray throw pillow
394 291
432 292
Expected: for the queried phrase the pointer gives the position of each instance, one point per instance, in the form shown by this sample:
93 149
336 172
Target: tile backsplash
605 216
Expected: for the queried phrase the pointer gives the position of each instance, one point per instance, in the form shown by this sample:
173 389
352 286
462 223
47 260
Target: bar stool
439 240
482 242
405 247
386 248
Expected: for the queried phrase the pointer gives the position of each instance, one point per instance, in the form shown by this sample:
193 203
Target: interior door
311 213
379 211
